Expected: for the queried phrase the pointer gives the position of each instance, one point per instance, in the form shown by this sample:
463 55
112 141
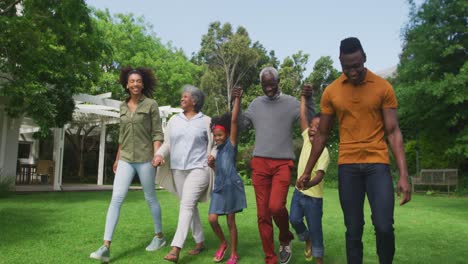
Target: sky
314 26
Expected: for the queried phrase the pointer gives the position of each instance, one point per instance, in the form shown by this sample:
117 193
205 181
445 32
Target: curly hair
223 120
147 74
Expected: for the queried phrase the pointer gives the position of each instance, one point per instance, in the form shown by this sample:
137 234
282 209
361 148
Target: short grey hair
269 70
197 95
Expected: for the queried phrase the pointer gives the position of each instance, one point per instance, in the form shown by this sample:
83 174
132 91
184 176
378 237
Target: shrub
7 184
244 155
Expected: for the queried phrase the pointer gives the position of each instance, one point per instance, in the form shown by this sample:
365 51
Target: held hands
307 90
303 183
211 161
404 187
157 160
237 92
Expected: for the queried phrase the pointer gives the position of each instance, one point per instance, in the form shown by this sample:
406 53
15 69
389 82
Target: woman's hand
114 167
157 160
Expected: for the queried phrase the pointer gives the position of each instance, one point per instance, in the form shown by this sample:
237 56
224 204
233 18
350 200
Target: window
24 150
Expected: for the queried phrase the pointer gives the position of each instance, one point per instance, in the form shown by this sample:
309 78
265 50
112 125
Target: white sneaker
156 244
102 254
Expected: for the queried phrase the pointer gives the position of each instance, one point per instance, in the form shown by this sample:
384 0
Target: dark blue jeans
312 209
354 182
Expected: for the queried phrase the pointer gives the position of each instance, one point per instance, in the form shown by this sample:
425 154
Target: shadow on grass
71 197
20 224
127 253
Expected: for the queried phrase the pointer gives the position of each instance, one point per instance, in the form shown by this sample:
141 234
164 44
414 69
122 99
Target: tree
49 51
211 83
292 73
134 43
322 75
251 79
433 75
78 135
227 52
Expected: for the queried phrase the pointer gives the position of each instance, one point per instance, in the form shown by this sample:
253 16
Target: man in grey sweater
273 116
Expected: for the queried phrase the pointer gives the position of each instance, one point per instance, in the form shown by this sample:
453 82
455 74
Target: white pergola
95 109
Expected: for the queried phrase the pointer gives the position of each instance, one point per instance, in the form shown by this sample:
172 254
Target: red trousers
271 178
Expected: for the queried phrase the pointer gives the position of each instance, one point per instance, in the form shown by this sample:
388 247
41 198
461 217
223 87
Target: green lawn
67 227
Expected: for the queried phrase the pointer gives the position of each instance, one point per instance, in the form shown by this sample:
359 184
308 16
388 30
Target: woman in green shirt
139 138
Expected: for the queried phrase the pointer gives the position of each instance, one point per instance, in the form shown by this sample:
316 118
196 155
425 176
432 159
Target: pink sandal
219 255
233 260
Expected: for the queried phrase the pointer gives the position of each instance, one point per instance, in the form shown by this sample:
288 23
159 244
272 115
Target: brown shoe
172 257
197 250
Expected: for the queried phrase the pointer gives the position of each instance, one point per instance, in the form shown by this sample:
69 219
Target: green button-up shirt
138 130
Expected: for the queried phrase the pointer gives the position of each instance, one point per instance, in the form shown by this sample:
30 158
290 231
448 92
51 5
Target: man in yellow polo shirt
365 106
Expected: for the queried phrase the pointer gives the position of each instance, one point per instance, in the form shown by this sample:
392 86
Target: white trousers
190 186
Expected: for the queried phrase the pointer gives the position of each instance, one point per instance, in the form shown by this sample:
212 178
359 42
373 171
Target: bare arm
309 109
156 145
235 114
395 139
320 139
303 114
243 119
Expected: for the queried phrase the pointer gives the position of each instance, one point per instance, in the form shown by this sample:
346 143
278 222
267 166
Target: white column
9 134
102 153
3 137
59 136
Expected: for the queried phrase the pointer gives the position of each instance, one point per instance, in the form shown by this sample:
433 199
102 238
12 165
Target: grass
67 227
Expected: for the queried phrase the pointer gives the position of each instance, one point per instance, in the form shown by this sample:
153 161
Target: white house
16 134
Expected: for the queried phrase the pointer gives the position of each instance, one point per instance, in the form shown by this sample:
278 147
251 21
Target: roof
95 109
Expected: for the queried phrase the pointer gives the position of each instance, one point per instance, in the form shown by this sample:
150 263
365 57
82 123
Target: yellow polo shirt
322 164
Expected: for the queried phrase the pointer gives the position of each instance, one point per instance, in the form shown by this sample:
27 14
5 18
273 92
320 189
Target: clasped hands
158 160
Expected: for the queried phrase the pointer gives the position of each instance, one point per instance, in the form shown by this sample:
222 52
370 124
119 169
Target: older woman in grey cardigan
188 142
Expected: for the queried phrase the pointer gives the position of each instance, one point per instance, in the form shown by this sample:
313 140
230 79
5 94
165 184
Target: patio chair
45 169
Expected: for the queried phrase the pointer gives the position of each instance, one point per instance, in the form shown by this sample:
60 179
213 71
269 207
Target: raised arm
320 139
304 121
309 107
234 117
243 119
395 139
